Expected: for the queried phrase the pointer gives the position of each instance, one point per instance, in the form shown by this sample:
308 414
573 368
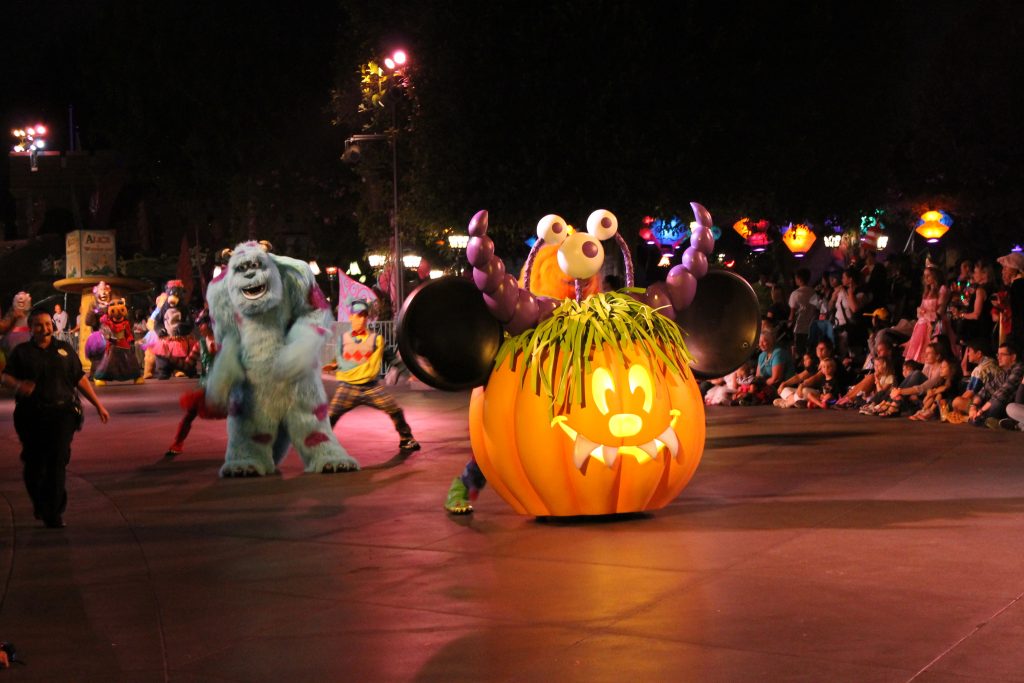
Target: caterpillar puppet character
589 405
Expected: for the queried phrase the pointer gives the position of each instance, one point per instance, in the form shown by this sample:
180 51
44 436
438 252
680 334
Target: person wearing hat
1013 278
358 366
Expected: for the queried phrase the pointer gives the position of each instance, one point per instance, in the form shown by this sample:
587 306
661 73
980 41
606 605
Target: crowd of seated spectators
880 340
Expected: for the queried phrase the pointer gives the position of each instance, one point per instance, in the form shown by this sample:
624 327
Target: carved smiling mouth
585 448
255 291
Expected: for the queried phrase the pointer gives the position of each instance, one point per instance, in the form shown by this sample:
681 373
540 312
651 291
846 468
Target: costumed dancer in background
360 352
96 343
119 362
14 325
172 351
173 326
194 402
152 338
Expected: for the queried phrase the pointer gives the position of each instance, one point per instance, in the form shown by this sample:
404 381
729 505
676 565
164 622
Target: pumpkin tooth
671 441
651 449
581 450
609 454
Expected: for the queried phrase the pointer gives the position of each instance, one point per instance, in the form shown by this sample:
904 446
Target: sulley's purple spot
261 438
317 298
589 249
315 438
220 275
238 318
320 412
320 330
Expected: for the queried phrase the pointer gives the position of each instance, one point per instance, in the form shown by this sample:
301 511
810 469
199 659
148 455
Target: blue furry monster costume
269 319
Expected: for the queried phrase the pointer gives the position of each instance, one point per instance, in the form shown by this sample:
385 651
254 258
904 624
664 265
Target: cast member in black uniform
44 373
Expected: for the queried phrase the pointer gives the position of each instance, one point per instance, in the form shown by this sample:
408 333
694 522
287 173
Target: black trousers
45 435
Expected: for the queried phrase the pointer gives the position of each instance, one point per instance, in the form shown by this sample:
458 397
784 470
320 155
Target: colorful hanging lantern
669 233
933 225
798 238
754 234
742 226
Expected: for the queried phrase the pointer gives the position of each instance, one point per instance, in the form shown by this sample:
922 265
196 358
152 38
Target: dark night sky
793 106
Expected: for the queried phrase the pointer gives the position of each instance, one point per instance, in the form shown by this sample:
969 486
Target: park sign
90 253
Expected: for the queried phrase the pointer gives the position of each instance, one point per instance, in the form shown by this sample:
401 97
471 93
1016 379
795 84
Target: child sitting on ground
790 390
941 394
746 385
892 405
825 395
723 388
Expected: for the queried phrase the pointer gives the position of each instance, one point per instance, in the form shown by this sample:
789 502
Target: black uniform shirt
55 370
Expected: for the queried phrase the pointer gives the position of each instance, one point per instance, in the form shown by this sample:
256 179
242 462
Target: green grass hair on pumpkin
576 329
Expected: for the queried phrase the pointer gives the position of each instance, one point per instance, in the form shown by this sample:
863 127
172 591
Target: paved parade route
810 545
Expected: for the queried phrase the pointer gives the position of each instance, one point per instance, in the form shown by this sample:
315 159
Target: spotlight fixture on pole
31 140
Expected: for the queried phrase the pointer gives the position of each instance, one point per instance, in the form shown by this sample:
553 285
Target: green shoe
457 502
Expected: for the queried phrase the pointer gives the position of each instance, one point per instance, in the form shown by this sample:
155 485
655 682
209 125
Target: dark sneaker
410 444
1010 424
175 449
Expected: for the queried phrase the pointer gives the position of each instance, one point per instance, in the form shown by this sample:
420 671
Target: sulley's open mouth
255 291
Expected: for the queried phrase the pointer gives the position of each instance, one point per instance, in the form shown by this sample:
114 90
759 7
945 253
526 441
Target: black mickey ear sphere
722 324
447 337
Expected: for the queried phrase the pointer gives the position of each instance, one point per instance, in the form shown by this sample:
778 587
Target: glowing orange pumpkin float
622 431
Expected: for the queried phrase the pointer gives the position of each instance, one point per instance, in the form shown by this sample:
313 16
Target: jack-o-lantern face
628 413
627 438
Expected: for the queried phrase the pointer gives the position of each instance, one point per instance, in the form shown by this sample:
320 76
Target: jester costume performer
119 362
358 373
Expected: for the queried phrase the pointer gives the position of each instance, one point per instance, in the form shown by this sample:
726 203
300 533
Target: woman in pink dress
934 298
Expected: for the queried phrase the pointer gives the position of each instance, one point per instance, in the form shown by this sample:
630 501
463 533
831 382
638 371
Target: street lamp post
352 155
375 79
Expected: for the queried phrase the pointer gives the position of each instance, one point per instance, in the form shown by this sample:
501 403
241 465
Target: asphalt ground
810 545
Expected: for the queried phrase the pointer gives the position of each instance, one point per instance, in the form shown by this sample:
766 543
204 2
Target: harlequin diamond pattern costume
358 375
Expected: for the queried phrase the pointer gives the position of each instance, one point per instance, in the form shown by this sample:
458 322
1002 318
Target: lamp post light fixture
412 261
31 140
376 260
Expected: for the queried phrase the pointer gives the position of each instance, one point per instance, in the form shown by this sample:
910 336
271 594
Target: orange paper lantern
799 239
933 225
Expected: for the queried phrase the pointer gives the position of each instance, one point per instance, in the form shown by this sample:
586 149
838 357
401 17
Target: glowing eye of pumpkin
601 384
640 378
